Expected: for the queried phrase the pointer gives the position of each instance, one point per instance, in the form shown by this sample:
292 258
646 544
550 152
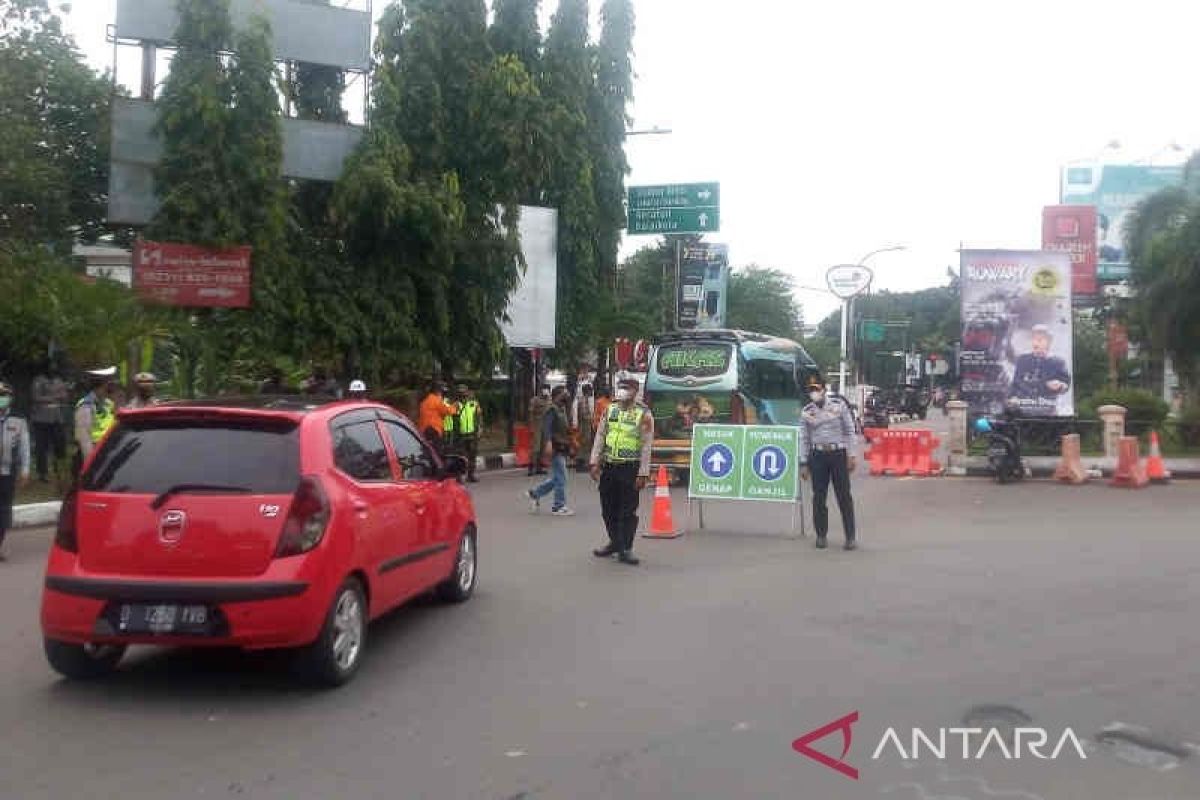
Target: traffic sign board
716 461
772 454
675 195
675 208
744 462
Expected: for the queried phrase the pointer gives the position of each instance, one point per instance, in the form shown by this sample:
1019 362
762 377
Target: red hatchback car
273 524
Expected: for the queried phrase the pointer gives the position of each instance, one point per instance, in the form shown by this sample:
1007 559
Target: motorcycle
1004 449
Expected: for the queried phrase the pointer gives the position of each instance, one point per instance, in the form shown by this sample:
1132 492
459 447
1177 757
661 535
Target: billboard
702 286
1114 190
1072 229
529 320
186 275
1016 352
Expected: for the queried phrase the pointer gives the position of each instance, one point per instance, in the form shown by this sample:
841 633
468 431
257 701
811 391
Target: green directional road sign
675 208
744 462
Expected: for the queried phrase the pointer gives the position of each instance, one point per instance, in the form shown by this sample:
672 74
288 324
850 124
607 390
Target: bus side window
772 380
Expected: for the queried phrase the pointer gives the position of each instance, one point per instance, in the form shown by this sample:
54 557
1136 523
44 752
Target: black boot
605 552
627 557
821 544
850 545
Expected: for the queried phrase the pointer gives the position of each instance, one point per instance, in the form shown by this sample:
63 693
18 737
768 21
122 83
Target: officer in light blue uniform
827 455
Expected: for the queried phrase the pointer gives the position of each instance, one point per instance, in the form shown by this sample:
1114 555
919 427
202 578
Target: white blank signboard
532 306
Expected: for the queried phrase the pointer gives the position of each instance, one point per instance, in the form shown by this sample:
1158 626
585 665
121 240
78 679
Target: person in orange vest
434 411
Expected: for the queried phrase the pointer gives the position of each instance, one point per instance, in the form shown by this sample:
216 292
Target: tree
1090 351
54 141
220 179
1163 242
611 94
760 299
567 84
515 32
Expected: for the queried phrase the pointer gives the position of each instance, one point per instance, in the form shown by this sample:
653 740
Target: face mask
5 402
623 395
816 396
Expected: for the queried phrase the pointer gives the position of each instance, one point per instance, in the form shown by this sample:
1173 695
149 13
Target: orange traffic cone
1155 469
662 524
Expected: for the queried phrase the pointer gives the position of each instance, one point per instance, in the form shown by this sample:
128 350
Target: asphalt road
688 677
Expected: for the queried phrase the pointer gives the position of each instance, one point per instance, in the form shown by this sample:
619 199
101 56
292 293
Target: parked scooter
1004 449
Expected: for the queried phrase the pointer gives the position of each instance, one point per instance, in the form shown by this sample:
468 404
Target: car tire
464 574
83 662
334 658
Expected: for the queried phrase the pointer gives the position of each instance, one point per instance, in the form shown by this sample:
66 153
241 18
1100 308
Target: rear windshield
693 360
151 456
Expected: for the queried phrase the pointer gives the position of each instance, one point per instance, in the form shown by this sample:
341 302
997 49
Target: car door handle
421 510
361 508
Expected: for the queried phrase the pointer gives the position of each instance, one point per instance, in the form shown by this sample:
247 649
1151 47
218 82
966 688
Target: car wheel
83 661
335 656
461 583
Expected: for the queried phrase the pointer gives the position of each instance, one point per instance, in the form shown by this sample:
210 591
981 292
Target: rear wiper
196 487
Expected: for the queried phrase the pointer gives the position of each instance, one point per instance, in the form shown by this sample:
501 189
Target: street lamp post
847 305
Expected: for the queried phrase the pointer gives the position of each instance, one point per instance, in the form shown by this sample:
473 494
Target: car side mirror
455 467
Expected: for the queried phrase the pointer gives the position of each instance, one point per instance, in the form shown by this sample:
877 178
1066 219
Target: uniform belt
827 448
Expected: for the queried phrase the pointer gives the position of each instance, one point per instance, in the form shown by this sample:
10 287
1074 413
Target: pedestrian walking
556 433
14 459
620 463
537 416
432 419
144 385
467 424
95 413
51 403
826 455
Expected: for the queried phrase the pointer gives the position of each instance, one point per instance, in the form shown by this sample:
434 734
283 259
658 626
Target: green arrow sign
674 220
675 208
675 195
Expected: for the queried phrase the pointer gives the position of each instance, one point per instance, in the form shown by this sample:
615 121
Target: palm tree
1162 239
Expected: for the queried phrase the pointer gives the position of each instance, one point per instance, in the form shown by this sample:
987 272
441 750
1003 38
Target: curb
36 515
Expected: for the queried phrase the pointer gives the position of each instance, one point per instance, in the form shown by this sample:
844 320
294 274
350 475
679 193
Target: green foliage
1145 411
1090 373
1163 241
54 139
826 352
515 32
760 299
46 301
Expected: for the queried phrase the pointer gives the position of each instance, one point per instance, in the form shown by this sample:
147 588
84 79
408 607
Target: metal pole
842 360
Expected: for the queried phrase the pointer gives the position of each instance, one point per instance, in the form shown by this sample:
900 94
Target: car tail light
66 536
737 409
306 521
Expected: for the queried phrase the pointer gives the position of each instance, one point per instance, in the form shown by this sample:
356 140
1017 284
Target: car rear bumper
257 614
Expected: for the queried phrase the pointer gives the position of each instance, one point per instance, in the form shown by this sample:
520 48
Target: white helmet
358 386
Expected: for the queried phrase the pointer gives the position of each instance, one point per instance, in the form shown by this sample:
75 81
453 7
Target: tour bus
721 376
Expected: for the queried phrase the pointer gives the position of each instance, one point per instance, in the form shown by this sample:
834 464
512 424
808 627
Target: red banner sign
1072 229
185 275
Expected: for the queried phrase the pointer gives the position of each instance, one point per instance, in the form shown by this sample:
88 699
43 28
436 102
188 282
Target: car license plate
163 618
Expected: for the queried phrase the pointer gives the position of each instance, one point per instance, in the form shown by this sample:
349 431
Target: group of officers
620 460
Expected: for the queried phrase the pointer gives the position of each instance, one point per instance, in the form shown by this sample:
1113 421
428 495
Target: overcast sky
839 128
